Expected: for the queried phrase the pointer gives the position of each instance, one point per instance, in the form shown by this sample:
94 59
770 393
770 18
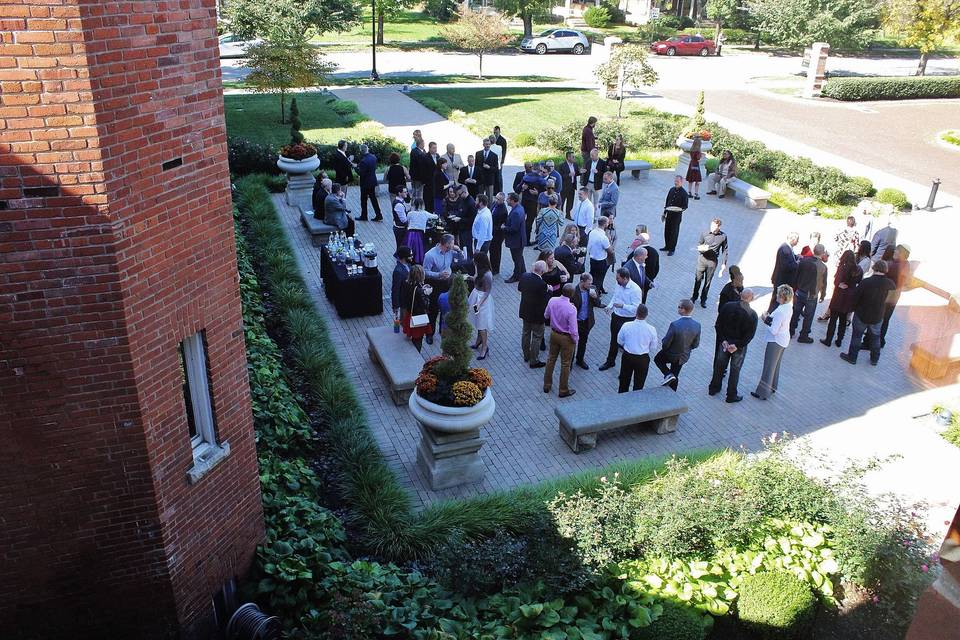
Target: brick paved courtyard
819 393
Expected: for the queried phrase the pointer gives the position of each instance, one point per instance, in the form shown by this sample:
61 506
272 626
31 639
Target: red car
684 46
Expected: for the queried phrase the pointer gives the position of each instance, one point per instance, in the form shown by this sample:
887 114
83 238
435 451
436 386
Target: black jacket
677 197
343 170
647 283
488 176
651 264
473 188
785 268
417 164
591 304
807 275
736 324
598 179
420 300
870 297
729 293
503 145
400 273
565 256
534 296
319 195
499 213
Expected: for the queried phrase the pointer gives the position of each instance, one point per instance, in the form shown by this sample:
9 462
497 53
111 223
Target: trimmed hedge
893 88
894 197
676 622
776 605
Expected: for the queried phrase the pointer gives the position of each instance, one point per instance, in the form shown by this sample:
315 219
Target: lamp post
373 23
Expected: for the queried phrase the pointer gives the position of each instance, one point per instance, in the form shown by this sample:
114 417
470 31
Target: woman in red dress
414 301
693 171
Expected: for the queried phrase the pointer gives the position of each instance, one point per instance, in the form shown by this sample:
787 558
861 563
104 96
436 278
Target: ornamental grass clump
448 379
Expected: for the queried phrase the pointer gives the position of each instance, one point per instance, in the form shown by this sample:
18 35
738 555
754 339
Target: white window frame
206 452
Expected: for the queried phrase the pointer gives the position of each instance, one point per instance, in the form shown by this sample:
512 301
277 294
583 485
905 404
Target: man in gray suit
607 205
335 211
682 337
636 265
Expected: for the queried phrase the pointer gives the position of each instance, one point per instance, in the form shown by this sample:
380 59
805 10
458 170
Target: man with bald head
736 325
534 295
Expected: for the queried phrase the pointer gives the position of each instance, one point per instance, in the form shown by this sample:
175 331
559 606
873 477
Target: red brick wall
105 266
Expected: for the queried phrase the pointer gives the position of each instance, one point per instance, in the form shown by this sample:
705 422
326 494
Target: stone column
816 71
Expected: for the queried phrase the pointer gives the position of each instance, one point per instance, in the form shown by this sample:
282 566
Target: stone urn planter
449 451
300 180
683 161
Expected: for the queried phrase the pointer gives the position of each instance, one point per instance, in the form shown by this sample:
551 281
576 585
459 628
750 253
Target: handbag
419 320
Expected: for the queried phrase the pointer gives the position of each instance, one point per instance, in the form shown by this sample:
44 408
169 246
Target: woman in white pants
778 339
726 171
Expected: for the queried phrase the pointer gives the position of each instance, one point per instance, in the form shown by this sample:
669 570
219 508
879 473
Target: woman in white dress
481 303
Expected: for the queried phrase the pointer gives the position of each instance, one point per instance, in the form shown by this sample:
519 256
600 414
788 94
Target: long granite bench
753 196
399 359
581 422
318 229
637 168
934 359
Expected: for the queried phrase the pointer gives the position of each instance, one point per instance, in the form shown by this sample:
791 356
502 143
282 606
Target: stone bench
581 421
753 196
637 168
399 359
933 359
318 229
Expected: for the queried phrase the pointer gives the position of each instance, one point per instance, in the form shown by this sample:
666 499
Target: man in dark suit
498 213
591 176
515 236
736 325
321 189
586 300
428 167
785 267
468 211
869 300
570 172
683 336
335 211
342 166
500 141
470 177
489 166
417 179
531 185
367 170
637 267
534 296
673 208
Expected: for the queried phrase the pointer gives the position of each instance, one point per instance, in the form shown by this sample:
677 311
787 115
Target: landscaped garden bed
640 550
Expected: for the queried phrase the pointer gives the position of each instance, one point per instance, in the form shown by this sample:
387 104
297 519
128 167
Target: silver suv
556 40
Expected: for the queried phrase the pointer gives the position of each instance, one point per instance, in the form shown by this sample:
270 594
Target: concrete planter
450 443
300 180
297 167
684 160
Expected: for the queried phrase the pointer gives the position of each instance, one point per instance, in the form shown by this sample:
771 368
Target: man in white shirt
497 149
626 300
583 214
598 249
638 338
482 230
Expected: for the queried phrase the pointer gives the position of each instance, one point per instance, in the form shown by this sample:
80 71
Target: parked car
684 46
232 46
556 40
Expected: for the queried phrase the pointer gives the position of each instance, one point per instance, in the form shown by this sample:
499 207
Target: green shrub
776 605
560 139
441 10
892 88
596 17
617 16
952 136
894 197
433 104
276 184
677 622
524 139
245 157
344 107
859 188
656 134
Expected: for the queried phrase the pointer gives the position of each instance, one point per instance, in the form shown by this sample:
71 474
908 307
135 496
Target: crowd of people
568 213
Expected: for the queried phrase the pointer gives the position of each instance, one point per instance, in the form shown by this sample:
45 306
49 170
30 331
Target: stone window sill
205 458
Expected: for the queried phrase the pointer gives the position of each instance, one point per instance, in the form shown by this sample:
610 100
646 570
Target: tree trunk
756 43
380 28
716 33
283 107
527 25
620 106
922 66
693 9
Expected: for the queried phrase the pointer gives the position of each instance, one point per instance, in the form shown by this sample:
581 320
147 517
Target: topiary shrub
893 196
296 137
344 107
677 622
892 88
596 17
245 157
775 605
859 188
524 139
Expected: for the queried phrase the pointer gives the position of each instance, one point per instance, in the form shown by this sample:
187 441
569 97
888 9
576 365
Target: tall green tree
279 68
477 32
290 20
798 23
727 13
388 11
923 24
627 66
525 10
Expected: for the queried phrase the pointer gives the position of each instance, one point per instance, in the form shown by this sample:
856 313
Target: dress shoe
663 249
670 253
510 280
537 365
874 362
713 392
667 379
733 399
805 340
696 197
429 339
546 389
568 393
711 193
703 305
607 365
378 219
757 395
583 365
846 358
839 342
825 342
721 196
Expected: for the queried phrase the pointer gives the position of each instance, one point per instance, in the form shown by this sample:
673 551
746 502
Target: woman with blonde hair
778 339
694 177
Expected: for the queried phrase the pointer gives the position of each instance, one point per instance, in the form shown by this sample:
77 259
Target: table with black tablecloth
352 296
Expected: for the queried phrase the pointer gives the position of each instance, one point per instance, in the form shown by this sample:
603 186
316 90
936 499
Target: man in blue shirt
367 168
438 265
586 300
515 237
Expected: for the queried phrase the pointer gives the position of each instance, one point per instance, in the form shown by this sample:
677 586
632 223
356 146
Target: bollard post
933 194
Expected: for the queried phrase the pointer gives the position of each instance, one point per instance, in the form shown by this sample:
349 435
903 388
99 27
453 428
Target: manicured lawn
363 81
411 26
257 118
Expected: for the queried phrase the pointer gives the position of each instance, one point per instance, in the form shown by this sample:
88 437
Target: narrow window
196 395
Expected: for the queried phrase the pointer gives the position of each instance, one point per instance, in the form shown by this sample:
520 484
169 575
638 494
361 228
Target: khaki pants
718 184
562 345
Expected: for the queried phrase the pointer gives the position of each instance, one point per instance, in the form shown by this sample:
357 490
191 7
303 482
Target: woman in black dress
616 155
694 176
397 175
845 282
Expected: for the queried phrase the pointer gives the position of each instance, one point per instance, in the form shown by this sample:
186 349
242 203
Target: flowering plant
481 378
465 393
298 151
704 134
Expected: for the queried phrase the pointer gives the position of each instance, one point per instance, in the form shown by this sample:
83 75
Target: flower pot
944 417
452 419
685 144
296 167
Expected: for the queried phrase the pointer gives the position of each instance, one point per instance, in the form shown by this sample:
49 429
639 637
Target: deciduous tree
923 24
799 23
278 68
477 32
289 20
627 66
525 10
388 11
